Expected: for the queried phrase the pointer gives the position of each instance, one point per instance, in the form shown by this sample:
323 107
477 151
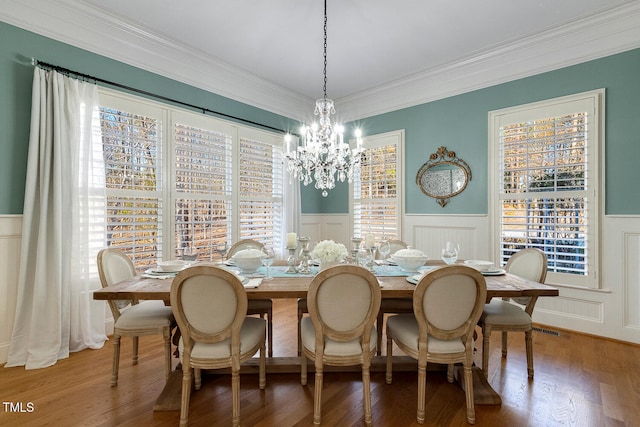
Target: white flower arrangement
329 251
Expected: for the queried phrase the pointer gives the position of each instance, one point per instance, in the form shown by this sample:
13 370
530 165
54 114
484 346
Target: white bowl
409 260
248 260
479 264
172 266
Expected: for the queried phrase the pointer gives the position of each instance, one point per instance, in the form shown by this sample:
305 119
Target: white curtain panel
63 226
292 207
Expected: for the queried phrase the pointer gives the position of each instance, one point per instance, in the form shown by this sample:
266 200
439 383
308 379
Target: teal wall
459 122
17 46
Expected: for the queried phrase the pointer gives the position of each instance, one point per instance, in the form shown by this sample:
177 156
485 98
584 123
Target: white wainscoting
10 242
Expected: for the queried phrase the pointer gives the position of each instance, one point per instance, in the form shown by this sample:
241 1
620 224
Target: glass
384 249
221 249
450 252
268 257
189 254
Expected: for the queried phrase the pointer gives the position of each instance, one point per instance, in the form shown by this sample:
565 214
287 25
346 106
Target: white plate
498 272
413 280
159 272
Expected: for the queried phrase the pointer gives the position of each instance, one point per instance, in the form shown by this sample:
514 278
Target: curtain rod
68 72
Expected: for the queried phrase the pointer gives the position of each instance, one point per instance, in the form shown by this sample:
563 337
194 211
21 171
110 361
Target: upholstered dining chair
392 305
447 304
130 318
210 306
261 307
339 331
502 315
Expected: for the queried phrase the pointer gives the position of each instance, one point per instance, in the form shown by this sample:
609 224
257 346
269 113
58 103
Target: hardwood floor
579 381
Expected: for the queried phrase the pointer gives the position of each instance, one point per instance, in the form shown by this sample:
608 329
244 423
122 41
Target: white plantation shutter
547 188
203 170
179 179
132 154
261 188
377 189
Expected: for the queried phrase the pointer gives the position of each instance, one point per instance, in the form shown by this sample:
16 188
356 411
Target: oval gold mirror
443 176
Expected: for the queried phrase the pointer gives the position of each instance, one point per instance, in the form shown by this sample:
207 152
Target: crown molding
84 27
79 25
615 31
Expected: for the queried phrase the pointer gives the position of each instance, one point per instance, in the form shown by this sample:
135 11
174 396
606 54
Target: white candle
292 239
369 241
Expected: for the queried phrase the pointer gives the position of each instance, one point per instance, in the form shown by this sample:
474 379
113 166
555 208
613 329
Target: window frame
595 100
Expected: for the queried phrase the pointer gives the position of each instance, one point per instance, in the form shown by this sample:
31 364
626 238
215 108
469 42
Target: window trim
596 159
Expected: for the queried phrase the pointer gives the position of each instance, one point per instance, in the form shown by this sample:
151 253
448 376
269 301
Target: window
217 181
547 180
376 195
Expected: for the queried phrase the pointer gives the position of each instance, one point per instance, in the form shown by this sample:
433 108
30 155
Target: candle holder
291 261
305 258
355 247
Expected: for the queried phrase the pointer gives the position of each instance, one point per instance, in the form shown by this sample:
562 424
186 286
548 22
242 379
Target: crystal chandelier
322 153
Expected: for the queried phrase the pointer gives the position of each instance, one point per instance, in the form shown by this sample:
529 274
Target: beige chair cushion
404 328
251 334
504 313
331 347
149 314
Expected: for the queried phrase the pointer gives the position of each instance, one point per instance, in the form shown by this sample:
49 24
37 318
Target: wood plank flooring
579 381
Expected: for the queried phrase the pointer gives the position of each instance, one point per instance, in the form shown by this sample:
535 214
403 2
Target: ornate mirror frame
443 176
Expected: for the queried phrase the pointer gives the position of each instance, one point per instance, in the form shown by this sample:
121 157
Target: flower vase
326 264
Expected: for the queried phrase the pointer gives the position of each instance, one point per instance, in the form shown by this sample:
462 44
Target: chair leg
166 333
270 331
450 373
135 350
186 391
299 333
379 326
528 337
468 383
235 396
504 344
116 360
303 369
197 373
263 365
317 395
366 387
486 335
422 392
388 376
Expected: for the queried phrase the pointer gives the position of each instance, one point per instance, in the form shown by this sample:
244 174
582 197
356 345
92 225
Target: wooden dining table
296 286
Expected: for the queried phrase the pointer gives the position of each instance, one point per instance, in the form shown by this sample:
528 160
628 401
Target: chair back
531 264
243 244
209 304
343 303
115 266
448 302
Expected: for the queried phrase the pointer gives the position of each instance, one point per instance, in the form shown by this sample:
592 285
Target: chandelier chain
325 50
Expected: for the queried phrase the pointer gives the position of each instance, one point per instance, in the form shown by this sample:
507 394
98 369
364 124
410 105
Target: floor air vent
546 331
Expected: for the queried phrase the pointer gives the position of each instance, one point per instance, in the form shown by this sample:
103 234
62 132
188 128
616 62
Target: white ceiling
382 55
